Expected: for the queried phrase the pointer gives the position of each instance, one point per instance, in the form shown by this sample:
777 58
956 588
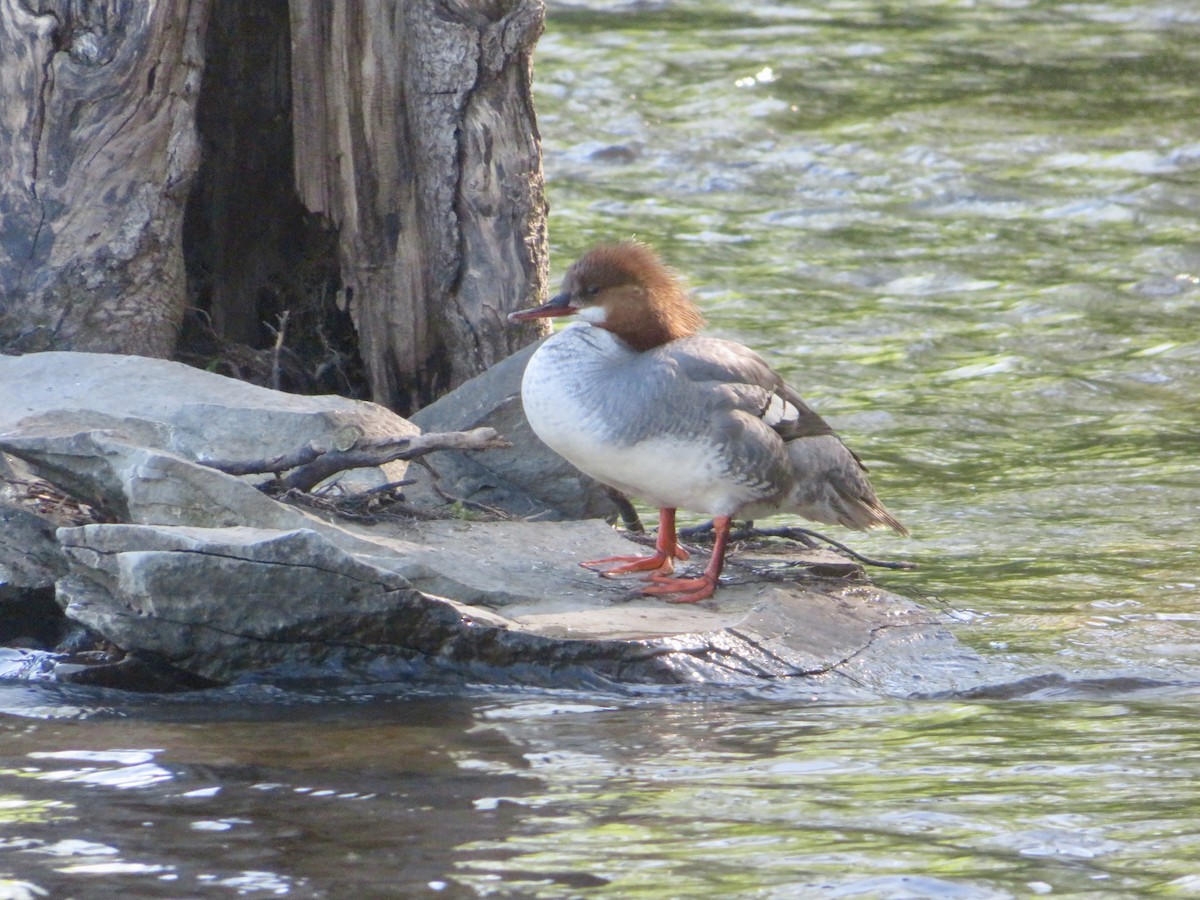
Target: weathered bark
414 141
97 149
415 135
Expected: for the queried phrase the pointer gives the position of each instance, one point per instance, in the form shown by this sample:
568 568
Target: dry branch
313 465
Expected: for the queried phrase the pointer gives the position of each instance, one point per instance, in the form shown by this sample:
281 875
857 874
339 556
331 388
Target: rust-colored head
626 289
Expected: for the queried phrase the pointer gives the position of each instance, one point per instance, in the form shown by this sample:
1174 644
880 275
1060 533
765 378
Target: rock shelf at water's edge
199 573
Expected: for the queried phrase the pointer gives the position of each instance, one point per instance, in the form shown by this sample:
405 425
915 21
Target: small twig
468 504
790 533
276 369
357 507
800 535
390 486
629 514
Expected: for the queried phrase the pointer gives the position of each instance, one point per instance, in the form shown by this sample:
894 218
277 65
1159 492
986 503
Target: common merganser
633 397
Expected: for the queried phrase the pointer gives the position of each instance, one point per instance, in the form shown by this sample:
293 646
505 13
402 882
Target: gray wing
748 384
828 480
802 464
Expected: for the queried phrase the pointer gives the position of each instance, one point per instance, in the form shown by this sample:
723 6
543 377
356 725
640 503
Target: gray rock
169 406
142 485
501 602
31 562
30 558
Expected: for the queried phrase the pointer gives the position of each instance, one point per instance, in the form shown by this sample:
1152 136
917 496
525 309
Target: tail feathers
886 518
832 504
831 486
872 514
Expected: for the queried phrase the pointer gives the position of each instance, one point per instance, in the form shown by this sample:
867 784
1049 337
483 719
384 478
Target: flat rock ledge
206 576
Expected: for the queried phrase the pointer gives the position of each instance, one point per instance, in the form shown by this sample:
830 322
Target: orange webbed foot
657 563
689 590
661 562
693 590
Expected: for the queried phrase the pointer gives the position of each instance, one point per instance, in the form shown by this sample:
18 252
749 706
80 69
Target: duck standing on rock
635 398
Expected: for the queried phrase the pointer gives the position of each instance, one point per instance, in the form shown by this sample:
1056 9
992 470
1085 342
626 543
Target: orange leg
691 590
666 551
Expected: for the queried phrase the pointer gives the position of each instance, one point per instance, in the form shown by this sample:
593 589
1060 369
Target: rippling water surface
968 233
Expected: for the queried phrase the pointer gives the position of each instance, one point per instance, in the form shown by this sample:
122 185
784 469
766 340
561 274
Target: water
967 232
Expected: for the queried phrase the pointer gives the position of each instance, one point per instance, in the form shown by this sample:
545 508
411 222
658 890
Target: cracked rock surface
208 575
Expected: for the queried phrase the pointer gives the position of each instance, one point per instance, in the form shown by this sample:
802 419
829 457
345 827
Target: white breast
583 390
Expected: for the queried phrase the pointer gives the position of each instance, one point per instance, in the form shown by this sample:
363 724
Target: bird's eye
592 291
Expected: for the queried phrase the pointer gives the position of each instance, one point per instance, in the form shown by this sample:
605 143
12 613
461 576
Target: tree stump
400 132
415 134
97 150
